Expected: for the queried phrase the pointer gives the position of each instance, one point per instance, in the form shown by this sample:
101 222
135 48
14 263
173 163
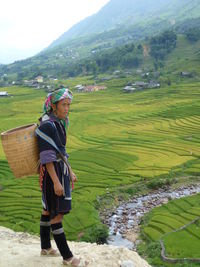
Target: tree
162 44
193 35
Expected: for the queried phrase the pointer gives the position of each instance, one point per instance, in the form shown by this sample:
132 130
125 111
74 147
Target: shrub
159 183
98 233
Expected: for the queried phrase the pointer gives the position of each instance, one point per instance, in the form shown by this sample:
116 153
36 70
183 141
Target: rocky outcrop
19 249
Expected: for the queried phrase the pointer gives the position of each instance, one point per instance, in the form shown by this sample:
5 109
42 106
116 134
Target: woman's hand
58 189
74 178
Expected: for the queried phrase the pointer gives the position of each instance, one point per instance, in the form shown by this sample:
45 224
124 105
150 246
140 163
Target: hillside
132 12
125 27
182 56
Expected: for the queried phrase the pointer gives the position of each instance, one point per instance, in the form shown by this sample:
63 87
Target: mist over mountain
86 47
132 12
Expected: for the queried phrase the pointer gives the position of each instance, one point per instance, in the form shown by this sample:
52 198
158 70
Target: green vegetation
97 233
118 14
165 223
127 56
193 34
103 45
162 44
152 54
114 140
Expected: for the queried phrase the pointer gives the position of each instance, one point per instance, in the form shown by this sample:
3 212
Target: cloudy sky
28 26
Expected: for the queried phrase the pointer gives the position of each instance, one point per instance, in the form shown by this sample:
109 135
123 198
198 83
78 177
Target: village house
145 74
101 87
49 88
39 79
33 83
29 83
129 89
138 71
116 72
140 85
129 84
186 74
153 84
94 88
4 94
53 79
79 88
89 88
128 72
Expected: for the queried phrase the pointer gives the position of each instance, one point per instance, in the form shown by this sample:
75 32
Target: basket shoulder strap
51 142
47 138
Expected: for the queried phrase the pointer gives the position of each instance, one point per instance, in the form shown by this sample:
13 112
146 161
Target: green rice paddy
114 139
173 224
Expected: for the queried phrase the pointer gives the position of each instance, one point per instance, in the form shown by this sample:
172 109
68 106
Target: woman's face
62 108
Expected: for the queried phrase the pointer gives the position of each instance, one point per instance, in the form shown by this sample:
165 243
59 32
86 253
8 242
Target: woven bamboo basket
21 149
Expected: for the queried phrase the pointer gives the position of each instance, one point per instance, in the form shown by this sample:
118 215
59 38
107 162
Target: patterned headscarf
56 96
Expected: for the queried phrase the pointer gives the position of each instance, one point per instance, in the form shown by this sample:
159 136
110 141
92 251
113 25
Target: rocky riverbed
125 220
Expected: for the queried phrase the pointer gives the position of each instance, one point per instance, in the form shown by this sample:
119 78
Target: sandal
75 262
49 252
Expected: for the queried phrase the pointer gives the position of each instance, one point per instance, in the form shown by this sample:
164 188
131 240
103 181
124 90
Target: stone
127 263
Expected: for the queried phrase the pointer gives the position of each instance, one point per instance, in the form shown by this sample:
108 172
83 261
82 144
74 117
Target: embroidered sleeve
47 156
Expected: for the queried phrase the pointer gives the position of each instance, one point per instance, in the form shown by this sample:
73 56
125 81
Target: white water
128 215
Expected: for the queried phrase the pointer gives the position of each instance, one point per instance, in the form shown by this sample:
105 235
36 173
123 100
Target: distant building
89 88
129 84
153 84
39 79
140 85
116 72
4 94
129 89
94 88
101 87
29 83
138 71
79 87
53 79
128 72
145 74
186 74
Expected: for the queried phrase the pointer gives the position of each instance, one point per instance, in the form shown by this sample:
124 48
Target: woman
54 175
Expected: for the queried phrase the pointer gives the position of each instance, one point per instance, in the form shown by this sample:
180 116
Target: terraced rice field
114 139
172 223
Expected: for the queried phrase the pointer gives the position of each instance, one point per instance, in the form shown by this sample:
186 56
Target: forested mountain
98 43
133 12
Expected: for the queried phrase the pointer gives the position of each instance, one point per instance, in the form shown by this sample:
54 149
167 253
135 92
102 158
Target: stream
125 220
